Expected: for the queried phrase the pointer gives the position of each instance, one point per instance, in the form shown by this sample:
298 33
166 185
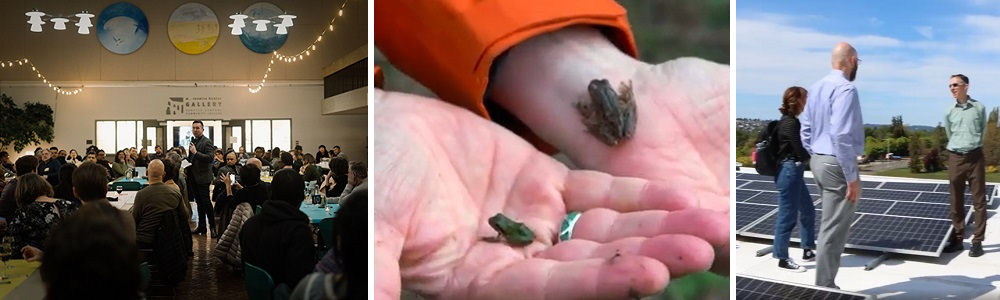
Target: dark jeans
200 192
794 204
969 167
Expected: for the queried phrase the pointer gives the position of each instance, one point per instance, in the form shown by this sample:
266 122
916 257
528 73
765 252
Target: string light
20 62
299 56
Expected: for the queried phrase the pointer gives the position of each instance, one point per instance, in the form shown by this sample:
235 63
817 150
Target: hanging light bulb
35 19
261 24
341 12
281 29
238 23
60 23
84 23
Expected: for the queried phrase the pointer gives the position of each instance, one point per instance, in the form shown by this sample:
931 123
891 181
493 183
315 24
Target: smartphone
232 178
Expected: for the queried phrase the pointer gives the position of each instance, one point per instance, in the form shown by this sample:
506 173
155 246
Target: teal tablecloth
316 213
133 184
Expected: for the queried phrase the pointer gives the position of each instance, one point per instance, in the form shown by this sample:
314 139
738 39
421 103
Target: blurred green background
663 30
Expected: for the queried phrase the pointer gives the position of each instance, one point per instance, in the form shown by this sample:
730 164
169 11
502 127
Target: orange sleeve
449 45
379 79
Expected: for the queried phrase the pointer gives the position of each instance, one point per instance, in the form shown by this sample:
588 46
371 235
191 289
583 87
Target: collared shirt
965 125
831 122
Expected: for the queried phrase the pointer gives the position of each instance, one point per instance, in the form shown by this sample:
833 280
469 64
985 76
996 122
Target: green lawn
905 172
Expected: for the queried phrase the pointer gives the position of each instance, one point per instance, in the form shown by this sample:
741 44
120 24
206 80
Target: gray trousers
837 216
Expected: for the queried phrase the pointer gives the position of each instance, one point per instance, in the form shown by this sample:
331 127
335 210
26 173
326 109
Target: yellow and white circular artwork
193 28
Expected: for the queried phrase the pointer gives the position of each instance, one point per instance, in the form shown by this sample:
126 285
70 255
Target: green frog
516 234
608 115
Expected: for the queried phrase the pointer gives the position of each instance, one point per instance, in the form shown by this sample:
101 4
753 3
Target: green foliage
991 140
897 129
916 164
22 127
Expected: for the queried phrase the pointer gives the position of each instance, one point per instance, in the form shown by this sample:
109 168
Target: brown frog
608 115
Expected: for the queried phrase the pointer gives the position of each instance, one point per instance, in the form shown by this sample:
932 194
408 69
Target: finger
682 254
598 278
605 225
585 190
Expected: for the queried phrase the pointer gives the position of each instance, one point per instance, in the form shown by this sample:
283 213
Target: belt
826 154
967 152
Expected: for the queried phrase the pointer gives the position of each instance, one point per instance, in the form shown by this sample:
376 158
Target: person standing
794 202
965 123
200 152
833 134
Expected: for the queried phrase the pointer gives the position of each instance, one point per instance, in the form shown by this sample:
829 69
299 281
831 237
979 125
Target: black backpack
767 150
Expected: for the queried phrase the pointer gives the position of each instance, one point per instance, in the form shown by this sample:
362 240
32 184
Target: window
269 134
117 135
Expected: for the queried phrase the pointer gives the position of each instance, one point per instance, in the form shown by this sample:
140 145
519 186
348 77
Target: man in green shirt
965 123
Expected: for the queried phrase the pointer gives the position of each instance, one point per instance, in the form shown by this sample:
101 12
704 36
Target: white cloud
926 31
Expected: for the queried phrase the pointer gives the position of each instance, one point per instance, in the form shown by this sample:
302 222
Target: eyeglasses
953 85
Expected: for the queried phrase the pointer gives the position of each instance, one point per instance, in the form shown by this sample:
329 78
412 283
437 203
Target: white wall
75 115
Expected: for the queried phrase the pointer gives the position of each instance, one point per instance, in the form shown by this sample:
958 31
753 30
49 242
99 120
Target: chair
258 283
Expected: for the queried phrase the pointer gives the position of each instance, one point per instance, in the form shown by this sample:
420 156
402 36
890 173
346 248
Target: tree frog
516 234
609 116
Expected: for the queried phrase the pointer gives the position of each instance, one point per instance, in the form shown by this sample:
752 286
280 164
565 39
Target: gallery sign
194 107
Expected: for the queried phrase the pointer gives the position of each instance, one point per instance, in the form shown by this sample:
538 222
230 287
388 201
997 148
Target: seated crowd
56 210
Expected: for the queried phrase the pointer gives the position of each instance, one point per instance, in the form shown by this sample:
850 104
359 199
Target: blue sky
908 50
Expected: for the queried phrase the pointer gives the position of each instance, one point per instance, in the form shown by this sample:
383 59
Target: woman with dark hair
794 202
37 212
335 181
74 157
120 166
65 188
143 159
309 170
321 154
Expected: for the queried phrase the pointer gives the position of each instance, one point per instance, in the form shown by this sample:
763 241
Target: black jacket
789 141
278 240
51 169
201 162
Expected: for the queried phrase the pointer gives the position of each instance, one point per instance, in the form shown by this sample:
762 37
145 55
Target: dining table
24 281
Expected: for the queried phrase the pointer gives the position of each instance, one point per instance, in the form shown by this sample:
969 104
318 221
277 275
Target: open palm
442 172
682 131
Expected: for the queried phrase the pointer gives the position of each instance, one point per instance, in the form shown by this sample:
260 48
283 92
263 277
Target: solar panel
743 195
899 234
939 198
888 195
749 213
809 180
870 206
769 198
870 184
921 210
945 188
813 189
760 186
740 182
752 288
909 186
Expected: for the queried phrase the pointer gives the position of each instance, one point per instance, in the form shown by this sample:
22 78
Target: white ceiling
68 56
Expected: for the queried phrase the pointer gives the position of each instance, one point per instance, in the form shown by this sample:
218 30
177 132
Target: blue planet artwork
122 28
262 41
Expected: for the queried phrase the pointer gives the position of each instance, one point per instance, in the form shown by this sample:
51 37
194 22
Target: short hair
99 151
321 146
286 159
298 147
249 175
359 169
198 122
30 187
337 146
793 102
308 159
54 148
219 151
92 241
4 154
964 78
339 166
287 186
174 157
90 181
66 174
26 164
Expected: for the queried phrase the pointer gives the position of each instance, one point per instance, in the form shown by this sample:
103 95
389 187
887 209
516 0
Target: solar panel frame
859 228
921 210
909 186
769 198
740 182
748 287
759 212
744 195
760 186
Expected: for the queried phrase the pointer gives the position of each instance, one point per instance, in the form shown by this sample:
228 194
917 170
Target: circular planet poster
193 28
262 41
122 28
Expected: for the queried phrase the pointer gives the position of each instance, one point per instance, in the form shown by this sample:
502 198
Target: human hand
31 253
192 149
682 131
445 171
224 177
853 190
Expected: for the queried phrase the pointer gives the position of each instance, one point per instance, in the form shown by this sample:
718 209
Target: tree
939 140
22 127
914 148
991 140
897 129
